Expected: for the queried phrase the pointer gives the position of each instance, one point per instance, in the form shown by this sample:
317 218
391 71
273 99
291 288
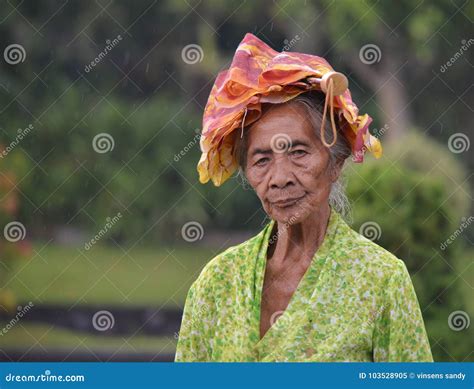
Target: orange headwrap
259 74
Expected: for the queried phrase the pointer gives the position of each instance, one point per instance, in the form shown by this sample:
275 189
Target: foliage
411 201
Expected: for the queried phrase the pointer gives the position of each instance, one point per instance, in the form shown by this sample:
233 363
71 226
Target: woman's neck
299 241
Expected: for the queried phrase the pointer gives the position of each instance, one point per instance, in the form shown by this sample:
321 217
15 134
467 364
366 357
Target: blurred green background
409 66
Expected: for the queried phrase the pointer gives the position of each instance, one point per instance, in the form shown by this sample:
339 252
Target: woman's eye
261 161
297 153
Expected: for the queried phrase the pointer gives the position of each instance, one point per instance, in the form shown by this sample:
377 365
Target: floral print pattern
355 303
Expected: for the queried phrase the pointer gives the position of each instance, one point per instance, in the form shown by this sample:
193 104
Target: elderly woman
307 287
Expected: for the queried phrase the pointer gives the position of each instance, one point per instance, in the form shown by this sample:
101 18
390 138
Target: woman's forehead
291 120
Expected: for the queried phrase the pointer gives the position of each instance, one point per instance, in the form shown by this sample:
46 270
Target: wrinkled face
287 165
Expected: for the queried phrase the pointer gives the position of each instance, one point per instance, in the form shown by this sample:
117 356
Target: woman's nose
281 174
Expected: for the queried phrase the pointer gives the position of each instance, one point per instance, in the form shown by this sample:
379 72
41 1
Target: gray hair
313 102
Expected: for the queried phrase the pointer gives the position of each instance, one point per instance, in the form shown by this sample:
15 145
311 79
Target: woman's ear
336 169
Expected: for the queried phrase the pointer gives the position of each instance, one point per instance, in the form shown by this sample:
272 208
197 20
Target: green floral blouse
356 302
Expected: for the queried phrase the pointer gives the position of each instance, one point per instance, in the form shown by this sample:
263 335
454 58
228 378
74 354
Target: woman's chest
331 319
279 286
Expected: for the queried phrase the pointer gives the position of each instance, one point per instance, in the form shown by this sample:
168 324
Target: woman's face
287 165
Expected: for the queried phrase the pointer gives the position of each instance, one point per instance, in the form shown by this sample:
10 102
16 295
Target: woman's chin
293 214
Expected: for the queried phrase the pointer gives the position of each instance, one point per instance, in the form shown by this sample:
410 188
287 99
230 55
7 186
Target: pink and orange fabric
258 75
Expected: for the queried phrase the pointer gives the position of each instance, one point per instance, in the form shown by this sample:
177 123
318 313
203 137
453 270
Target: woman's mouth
284 203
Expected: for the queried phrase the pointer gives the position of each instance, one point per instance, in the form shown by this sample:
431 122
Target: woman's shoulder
370 255
230 263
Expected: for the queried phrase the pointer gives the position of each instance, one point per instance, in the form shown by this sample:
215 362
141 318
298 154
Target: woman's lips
287 202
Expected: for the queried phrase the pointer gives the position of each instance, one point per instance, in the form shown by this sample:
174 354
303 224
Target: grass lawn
107 275
46 337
